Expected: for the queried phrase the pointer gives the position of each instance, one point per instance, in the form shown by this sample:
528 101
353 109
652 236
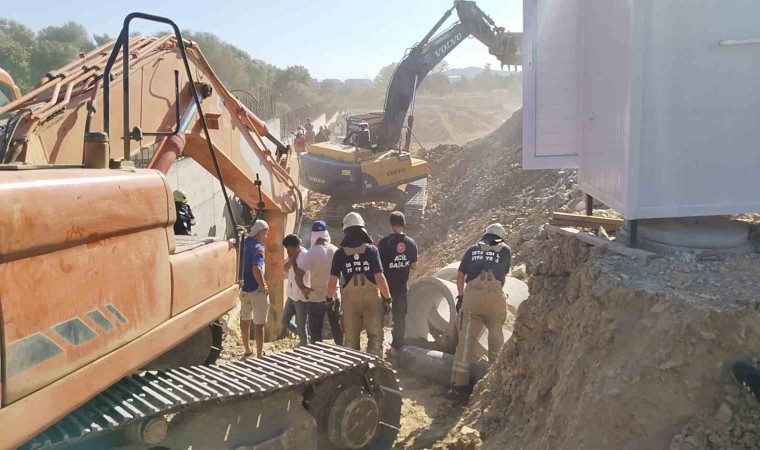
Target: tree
69 33
298 94
16 41
49 55
329 87
291 74
383 78
101 39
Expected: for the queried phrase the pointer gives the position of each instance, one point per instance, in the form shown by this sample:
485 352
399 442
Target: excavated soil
608 353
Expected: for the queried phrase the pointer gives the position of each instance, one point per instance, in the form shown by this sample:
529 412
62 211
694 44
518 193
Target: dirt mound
608 353
483 182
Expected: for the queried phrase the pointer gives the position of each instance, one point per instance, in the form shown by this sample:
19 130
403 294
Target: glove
459 303
330 302
387 308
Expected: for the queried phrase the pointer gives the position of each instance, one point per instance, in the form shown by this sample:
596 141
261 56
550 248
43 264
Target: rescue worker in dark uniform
185 218
366 298
398 252
483 270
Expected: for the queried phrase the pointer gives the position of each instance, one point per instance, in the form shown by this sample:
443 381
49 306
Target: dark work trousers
333 315
399 316
316 320
297 309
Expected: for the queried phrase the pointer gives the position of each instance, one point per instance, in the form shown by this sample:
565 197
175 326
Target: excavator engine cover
348 171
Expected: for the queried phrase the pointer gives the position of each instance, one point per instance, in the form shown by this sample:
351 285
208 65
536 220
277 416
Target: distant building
357 82
332 80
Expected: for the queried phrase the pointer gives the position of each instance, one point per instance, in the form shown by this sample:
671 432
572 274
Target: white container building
656 102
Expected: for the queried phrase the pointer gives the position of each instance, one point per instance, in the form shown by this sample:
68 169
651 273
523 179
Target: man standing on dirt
398 252
366 298
309 127
318 263
254 294
298 283
483 269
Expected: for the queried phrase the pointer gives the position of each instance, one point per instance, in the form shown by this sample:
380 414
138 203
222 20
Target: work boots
459 394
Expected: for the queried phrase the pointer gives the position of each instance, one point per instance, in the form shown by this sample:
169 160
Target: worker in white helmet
185 218
480 301
366 298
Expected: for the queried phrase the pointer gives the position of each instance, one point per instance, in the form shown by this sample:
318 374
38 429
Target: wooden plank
580 218
599 242
593 226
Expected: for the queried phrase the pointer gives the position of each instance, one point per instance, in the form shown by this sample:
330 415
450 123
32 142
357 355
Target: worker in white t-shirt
298 284
317 264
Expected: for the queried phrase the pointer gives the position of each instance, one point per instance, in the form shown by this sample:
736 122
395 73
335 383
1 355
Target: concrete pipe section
435 365
431 314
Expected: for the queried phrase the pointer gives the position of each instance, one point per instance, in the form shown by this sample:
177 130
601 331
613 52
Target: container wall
551 77
699 151
605 101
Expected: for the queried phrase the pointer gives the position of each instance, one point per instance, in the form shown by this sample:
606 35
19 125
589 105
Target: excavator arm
431 50
48 125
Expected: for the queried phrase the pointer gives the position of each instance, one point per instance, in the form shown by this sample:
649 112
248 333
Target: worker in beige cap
366 298
483 271
254 294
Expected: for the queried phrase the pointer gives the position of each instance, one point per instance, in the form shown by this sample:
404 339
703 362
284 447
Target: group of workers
356 284
306 133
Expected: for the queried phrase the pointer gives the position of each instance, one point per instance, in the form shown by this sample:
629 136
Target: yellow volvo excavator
360 169
108 320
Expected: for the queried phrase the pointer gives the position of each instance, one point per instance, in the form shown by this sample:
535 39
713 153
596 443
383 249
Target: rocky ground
608 353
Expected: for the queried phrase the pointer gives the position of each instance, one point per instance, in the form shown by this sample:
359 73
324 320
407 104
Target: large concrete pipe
435 365
431 314
431 317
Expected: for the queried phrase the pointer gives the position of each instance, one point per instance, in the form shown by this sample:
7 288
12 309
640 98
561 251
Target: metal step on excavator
109 321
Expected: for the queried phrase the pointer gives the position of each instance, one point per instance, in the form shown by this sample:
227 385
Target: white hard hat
259 225
352 219
179 196
497 230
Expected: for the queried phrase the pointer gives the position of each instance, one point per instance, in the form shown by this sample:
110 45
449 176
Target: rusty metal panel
199 273
125 279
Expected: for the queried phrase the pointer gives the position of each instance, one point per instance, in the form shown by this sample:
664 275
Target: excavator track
319 375
416 199
335 209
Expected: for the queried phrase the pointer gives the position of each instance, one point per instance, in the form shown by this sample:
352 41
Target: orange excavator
109 321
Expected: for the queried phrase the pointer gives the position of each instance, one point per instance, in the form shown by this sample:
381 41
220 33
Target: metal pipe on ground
435 365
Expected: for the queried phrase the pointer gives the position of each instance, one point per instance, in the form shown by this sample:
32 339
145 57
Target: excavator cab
350 173
353 126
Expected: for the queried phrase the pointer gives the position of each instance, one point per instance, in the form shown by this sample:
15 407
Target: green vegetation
28 56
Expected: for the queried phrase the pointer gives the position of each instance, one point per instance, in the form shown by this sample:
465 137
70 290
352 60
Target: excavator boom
431 50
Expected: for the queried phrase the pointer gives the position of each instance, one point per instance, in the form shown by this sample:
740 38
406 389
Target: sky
333 39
